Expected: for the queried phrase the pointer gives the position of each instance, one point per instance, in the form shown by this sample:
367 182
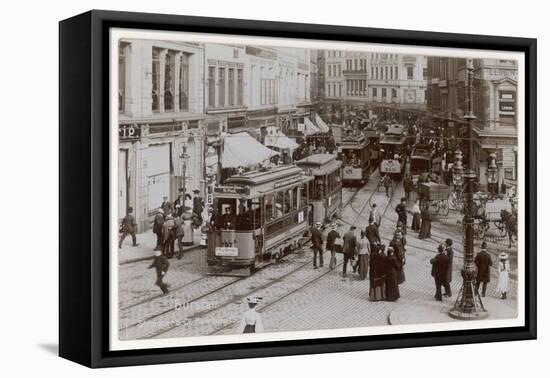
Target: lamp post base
468 305
458 313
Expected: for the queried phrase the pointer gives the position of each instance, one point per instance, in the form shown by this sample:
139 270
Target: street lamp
468 305
492 171
458 171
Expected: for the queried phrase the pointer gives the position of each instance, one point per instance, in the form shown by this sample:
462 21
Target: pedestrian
169 236
426 226
128 227
377 290
387 181
372 234
179 203
198 206
317 244
401 211
362 264
399 252
483 263
408 186
251 320
503 272
178 223
157 228
440 264
166 205
375 215
350 248
391 265
450 254
332 237
416 220
161 265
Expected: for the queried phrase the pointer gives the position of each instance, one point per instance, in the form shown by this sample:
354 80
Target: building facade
494 105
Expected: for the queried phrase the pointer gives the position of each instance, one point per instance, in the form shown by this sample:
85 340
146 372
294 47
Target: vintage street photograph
265 189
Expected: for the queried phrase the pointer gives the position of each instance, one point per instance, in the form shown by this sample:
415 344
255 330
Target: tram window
279 204
295 194
269 207
226 211
288 201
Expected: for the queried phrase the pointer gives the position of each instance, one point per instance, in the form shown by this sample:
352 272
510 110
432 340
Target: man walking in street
483 263
350 248
161 265
331 245
440 264
372 234
408 186
157 228
401 211
450 254
178 224
128 228
169 236
317 244
375 215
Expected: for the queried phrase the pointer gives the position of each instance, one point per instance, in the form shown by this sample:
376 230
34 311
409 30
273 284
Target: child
503 270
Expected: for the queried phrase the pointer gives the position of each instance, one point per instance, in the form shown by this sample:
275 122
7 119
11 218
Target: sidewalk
146 243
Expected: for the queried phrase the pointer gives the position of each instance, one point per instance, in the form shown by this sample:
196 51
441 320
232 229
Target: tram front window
238 214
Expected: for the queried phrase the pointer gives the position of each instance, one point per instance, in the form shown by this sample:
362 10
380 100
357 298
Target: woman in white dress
251 320
503 271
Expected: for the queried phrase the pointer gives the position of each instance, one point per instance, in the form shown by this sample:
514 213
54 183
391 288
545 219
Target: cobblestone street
295 296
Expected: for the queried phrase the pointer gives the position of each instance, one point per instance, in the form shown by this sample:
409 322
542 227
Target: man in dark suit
372 234
401 211
483 263
157 228
161 265
350 248
179 203
450 254
317 244
198 205
440 265
128 228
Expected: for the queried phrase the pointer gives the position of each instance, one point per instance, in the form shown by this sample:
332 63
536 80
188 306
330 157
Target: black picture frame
84 200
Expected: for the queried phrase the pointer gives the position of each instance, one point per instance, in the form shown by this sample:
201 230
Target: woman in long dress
503 272
416 221
392 266
251 320
399 253
377 290
362 265
426 227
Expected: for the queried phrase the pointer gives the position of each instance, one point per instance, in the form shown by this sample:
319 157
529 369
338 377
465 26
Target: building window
371 72
394 94
339 70
211 86
231 86
221 86
169 68
424 73
121 77
384 93
377 73
184 83
374 93
386 72
155 77
409 72
240 86
340 90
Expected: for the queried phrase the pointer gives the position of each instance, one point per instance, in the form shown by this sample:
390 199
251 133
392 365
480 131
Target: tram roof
320 164
393 139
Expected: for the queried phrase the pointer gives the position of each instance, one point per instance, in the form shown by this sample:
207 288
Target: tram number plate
227 251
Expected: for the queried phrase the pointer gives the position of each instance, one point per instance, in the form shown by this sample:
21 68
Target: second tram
325 191
259 217
393 151
355 156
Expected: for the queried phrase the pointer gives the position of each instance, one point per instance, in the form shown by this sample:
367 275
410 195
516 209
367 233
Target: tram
421 160
259 217
355 155
392 151
325 191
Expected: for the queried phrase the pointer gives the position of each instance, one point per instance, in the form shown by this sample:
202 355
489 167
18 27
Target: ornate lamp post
458 171
492 171
468 305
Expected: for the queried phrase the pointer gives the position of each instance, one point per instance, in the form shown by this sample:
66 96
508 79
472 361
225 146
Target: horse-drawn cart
435 195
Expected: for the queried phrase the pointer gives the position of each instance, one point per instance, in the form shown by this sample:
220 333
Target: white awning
241 150
308 128
281 141
321 124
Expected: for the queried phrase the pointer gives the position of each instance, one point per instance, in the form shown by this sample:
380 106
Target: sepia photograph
275 189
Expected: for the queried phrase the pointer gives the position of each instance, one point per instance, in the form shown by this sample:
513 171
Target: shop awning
241 150
309 128
279 140
321 124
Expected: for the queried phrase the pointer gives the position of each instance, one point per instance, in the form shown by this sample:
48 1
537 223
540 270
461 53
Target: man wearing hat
251 320
166 205
198 205
375 215
128 227
179 203
317 244
450 254
157 228
161 265
503 271
169 236
401 211
440 265
331 246
372 234
483 263
350 248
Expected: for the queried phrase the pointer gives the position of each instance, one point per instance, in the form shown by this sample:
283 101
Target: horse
510 222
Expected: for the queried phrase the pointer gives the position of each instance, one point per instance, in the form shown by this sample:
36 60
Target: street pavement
296 296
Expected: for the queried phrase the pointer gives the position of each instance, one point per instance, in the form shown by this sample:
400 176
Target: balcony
362 72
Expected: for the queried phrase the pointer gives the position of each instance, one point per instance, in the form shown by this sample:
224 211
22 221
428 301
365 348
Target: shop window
155 77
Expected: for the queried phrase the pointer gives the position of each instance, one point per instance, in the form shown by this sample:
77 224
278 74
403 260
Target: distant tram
355 156
259 217
325 191
393 152
421 159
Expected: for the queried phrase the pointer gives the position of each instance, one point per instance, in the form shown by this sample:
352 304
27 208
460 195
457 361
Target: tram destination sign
231 190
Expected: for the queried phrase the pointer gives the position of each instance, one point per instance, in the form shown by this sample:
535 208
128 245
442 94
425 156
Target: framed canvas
236 188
